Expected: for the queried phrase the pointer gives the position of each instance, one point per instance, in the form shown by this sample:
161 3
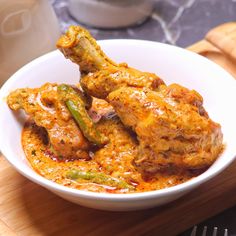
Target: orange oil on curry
115 159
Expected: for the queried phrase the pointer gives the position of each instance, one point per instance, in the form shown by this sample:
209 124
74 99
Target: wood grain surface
28 209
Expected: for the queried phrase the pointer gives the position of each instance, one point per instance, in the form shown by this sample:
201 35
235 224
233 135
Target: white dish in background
110 13
174 65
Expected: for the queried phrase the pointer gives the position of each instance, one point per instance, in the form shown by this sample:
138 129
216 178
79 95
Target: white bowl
174 65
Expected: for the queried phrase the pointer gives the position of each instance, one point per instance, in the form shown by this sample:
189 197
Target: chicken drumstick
172 127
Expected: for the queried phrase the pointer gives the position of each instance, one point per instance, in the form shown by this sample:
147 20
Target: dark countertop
178 22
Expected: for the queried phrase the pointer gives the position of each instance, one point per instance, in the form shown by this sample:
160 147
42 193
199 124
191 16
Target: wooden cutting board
28 209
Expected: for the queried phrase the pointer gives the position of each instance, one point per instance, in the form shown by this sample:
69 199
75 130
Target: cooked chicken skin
45 108
100 75
173 128
171 124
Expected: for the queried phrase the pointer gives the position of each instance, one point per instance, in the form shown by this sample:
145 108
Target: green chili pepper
98 178
76 105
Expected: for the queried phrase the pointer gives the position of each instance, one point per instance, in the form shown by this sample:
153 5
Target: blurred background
180 22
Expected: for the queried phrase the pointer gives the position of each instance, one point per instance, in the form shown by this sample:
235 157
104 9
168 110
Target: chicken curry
119 130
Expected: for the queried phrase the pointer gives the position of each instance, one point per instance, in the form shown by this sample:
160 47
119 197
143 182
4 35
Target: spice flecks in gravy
114 159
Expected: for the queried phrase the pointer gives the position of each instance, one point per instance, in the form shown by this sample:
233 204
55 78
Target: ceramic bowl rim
109 196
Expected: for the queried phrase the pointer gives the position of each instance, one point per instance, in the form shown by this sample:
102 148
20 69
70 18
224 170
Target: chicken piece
173 129
172 126
46 109
100 75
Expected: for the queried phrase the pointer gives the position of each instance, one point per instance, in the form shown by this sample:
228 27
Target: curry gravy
114 159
